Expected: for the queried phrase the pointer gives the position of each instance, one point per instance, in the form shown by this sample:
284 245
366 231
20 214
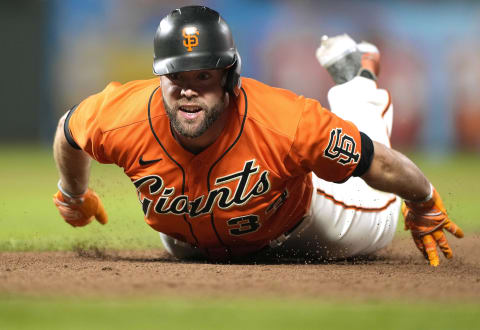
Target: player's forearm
393 172
73 165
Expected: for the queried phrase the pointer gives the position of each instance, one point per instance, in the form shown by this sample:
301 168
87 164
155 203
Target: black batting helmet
196 38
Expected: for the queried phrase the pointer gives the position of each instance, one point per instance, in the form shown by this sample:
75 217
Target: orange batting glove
80 210
426 222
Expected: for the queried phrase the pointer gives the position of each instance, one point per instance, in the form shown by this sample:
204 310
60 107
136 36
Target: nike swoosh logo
147 162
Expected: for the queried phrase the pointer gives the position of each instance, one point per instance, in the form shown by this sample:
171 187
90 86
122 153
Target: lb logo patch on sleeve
342 148
190 40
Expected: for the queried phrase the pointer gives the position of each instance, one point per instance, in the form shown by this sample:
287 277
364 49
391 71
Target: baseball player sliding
227 167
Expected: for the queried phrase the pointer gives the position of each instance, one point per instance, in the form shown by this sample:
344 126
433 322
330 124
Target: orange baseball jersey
249 187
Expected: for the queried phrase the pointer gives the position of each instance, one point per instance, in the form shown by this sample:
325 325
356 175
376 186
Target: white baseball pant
350 219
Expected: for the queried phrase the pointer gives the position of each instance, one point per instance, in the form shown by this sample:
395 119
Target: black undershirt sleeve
367 155
68 135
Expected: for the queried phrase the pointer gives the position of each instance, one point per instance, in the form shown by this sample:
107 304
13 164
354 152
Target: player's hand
80 211
426 222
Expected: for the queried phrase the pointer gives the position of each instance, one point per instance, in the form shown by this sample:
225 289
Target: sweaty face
193 100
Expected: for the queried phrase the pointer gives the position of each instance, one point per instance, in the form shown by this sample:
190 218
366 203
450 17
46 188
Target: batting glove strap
424 223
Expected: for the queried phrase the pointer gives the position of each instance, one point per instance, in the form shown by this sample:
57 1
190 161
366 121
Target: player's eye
174 76
204 76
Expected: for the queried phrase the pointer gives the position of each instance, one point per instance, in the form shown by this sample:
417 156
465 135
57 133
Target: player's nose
188 92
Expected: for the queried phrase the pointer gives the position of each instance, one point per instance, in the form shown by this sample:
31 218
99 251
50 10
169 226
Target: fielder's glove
426 221
80 210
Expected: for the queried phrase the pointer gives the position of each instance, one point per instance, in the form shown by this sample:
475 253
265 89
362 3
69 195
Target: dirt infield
397 273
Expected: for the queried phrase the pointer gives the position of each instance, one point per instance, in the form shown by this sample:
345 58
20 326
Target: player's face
193 100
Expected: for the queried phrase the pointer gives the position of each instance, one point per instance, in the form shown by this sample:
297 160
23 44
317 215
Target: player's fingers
79 222
59 202
439 202
93 206
441 240
404 209
419 243
405 215
101 214
431 250
73 223
99 210
453 228
70 214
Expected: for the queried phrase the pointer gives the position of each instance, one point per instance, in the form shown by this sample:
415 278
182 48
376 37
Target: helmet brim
194 61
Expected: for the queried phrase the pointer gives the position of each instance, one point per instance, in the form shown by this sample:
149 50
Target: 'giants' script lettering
222 196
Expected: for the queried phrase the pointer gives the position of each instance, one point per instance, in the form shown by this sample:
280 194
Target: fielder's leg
350 219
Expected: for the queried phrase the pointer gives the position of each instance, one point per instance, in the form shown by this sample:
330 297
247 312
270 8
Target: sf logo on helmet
191 40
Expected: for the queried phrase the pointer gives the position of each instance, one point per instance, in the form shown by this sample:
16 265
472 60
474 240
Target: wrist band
426 199
430 195
59 185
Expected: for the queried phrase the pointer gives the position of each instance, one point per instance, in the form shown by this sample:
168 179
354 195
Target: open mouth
190 112
190 108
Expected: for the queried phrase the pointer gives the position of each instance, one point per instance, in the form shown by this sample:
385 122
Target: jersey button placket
194 180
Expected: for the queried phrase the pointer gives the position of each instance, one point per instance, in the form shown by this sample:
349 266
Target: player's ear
223 82
226 92
226 98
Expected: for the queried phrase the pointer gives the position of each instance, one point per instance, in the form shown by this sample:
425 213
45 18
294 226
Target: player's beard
192 130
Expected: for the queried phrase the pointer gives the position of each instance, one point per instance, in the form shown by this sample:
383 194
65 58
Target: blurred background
57 52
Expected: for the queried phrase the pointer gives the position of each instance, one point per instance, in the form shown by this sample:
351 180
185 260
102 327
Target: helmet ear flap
234 81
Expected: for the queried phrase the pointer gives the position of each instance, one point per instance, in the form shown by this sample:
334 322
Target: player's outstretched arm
424 212
73 165
76 203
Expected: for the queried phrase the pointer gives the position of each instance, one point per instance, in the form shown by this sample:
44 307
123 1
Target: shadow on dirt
95 252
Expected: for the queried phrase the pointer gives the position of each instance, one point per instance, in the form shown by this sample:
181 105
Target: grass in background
457 179
22 313
29 220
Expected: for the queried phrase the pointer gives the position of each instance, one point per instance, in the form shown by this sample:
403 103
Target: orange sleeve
325 144
85 128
